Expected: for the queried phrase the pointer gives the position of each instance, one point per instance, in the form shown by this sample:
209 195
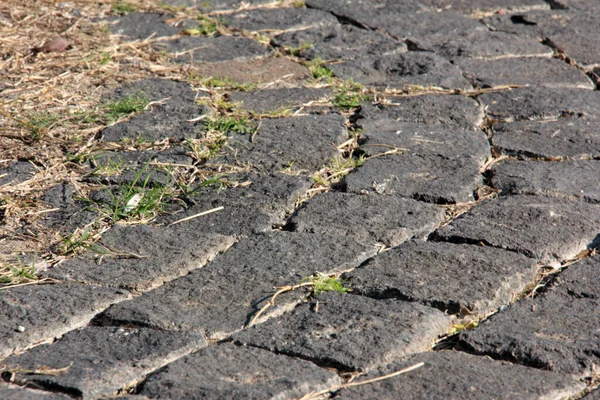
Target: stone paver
35 314
227 371
369 218
142 26
572 179
433 179
452 277
557 330
202 49
15 172
455 375
427 109
541 104
424 139
168 118
338 42
412 69
276 101
548 229
226 294
98 361
568 138
546 72
141 257
349 332
303 143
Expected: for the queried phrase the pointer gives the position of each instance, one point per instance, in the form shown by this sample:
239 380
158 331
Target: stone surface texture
452 277
547 229
258 199
228 371
337 330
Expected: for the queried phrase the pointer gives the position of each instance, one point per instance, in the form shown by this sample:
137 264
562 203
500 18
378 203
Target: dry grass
51 103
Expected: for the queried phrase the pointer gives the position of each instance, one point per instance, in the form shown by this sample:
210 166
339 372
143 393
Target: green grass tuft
230 123
122 8
133 103
318 69
349 95
323 283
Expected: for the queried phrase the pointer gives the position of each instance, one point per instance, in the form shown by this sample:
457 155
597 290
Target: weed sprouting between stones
336 169
319 70
133 103
240 124
349 95
297 51
123 8
323 283
318 283
17 274
39 124
138 202
224 83
206 27
203 150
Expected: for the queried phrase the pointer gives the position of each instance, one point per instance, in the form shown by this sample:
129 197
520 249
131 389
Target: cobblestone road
462 230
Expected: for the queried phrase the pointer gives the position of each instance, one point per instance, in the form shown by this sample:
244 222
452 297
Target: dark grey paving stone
226 294
237 373
533 23
14 172
423 139
570 179
530 71
349 332
556 331
535 103
412 69
459 111
70 212
477 8
430 178
565 138
365 12
141 26
277 19
390 220
256 204
202 49
102 360
14 392
141 257
138 167
304 143
548 229
169 118
480 44
48 311
452 374
451 277
278 100
339 42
